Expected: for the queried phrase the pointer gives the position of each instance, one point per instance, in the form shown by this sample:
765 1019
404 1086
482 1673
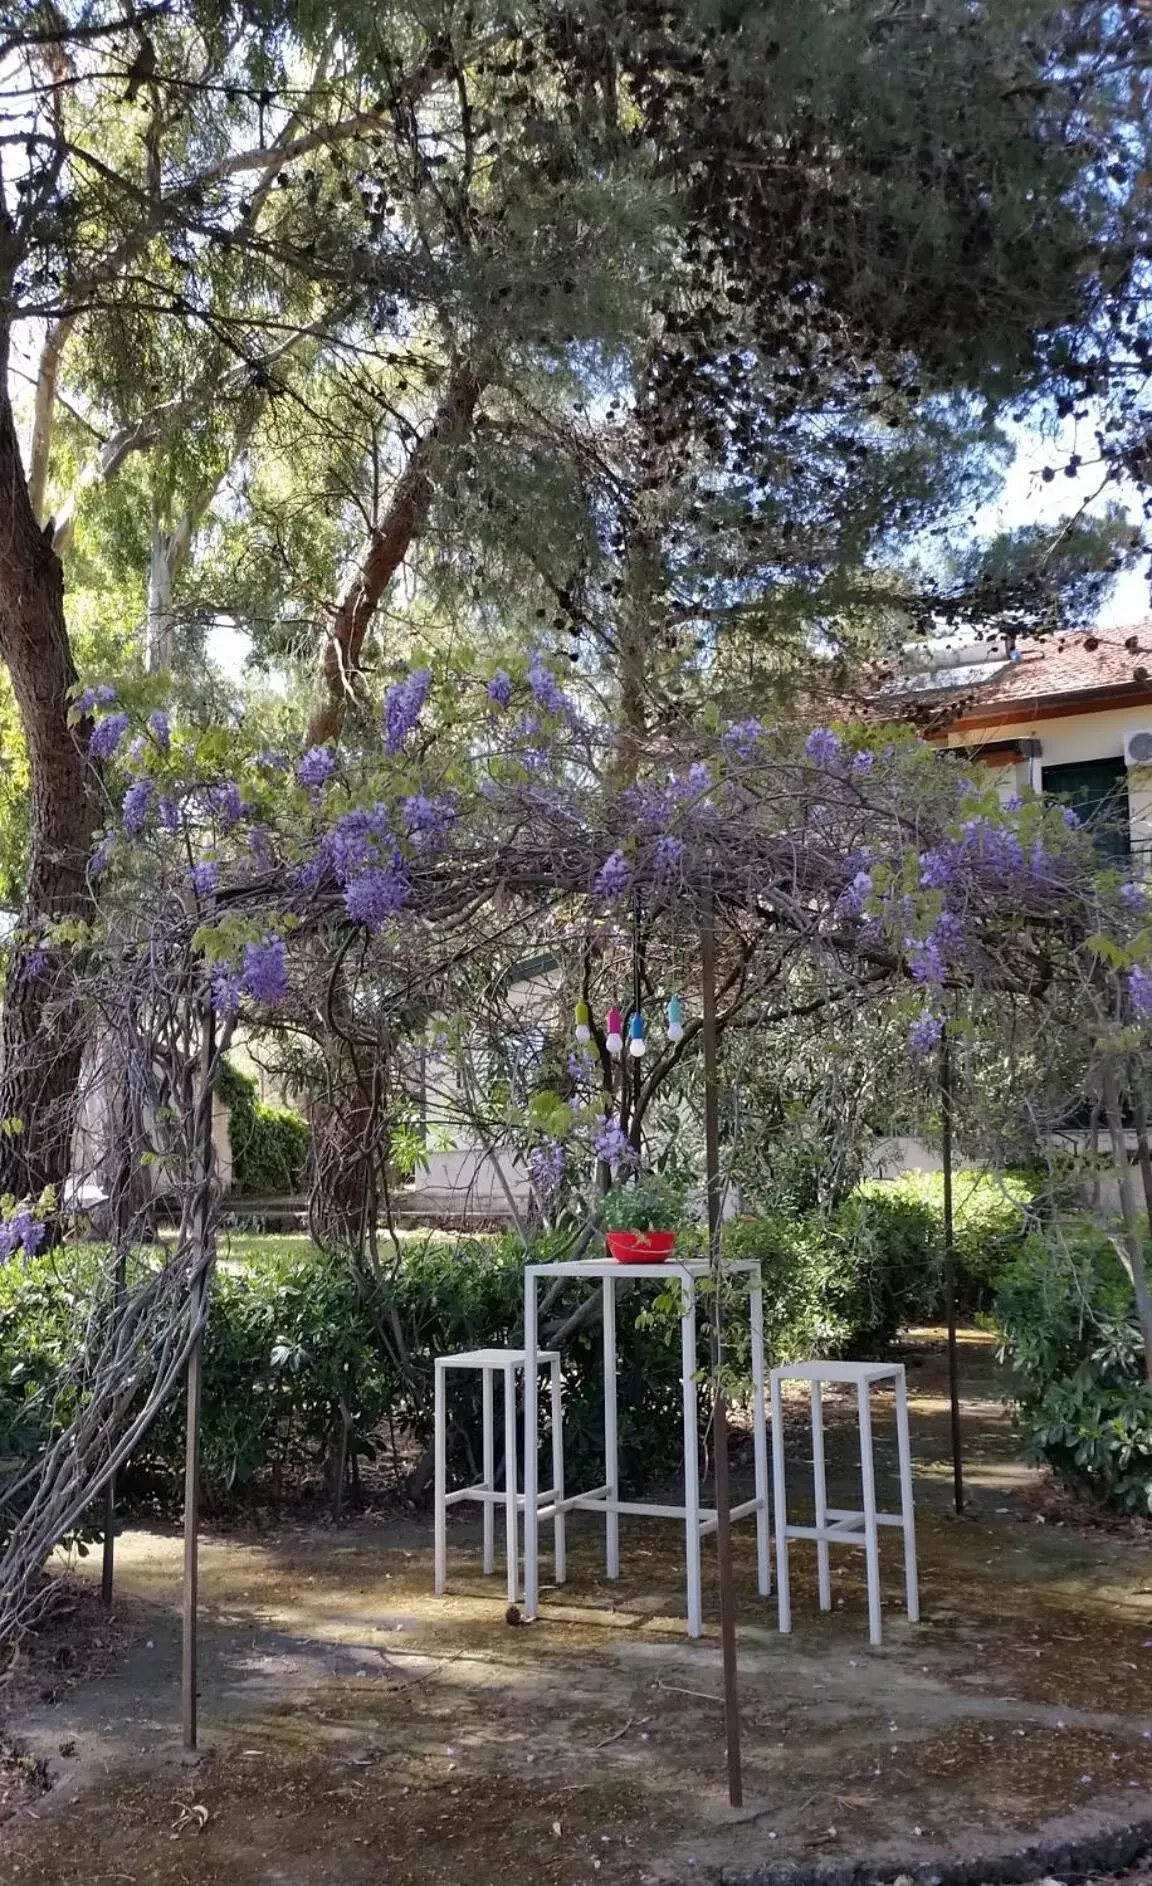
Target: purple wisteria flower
1070 817
742 736
937 870
851 902
21 1229
546 1169
103 696
581 1064
161 729
864 761
546 690
316 768
614 876
924 959
107 735
224 986
1140 992
428 820
136 806
612 1144
272 760
34 963
925 1034
204 878
101 858
1134 894
500 688
403 705
265 971
261 847
823 747
137 752
667 856
169 812
375 895
226 804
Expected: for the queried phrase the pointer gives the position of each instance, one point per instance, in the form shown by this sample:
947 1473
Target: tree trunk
42 1032
392 537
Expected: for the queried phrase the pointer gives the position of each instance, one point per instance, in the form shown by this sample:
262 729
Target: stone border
1104 1852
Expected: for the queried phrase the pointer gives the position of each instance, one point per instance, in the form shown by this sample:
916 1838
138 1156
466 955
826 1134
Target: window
1098 791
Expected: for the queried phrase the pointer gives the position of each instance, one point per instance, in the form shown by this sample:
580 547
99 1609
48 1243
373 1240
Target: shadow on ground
364 1731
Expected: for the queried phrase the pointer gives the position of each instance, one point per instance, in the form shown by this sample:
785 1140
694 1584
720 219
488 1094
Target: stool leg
824 1576
691 1455
611 1437
440 1510
489 1472
511 1484
558 1542
907 1498
760 1442
871 1530
783 1588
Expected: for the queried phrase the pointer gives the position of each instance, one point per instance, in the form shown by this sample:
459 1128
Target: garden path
365 1733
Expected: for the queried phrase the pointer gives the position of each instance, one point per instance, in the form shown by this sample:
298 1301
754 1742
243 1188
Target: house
1069 714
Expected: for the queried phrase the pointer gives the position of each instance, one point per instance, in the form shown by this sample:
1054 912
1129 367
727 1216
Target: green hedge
270 1145
1068 1327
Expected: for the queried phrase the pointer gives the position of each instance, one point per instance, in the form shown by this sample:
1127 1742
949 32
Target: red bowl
640 1247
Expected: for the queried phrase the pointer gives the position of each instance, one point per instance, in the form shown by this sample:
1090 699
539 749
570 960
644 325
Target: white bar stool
841 1525
550 1500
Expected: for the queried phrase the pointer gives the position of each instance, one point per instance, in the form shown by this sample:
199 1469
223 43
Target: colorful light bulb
614 1032
675 1019
583 1028
636 1033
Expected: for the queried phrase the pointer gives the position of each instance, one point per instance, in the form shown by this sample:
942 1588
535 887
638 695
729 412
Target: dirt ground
362 1731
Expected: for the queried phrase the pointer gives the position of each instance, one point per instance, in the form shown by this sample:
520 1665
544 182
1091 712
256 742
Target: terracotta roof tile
1069 664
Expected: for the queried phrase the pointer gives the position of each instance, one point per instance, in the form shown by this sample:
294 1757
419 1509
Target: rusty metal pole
950 1274
720 1402
197 1310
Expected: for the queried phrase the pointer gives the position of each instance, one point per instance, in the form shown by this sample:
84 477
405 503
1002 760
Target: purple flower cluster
20 1229
614 876
612 1144
864 761
204 878
376 894
34 963
103 696
823 747
546 1169
316 768
925 1034
851 902
428 821
224 985
403 705
265 971
581 1064
668 856
742 736
169 812
137 804
261 847
225 803
161 729
107 735
500 688
546 690
1140 993
1134 894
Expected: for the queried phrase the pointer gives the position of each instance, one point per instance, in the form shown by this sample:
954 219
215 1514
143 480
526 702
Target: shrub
1068 1327
270 1145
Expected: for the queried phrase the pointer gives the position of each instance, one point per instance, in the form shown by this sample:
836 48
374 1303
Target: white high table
606 1499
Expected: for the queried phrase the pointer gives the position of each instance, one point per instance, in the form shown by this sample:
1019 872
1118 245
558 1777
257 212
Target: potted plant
641 1221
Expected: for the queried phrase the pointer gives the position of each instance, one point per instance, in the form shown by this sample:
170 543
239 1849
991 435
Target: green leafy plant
270 1145
644 1205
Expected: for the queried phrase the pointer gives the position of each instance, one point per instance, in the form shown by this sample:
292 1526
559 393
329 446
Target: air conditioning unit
1138 748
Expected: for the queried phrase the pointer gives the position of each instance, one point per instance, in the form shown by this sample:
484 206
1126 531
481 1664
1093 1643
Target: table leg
907 1498
820 1488
489 1420
531 1463
558 1542
691 1455
511 1483
440 1555
783 1587
760 1441
611 1437
871 1530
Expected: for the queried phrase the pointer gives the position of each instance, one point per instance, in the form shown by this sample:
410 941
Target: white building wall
1068 741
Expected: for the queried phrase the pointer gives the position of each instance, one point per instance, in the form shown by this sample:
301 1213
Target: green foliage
1065 1312
644 1205
270 1145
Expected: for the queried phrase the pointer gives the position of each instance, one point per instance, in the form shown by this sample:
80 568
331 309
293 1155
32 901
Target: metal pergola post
198 1312
946 1114
720 1402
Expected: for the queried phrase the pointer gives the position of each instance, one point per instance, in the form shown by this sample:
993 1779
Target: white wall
1066 742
